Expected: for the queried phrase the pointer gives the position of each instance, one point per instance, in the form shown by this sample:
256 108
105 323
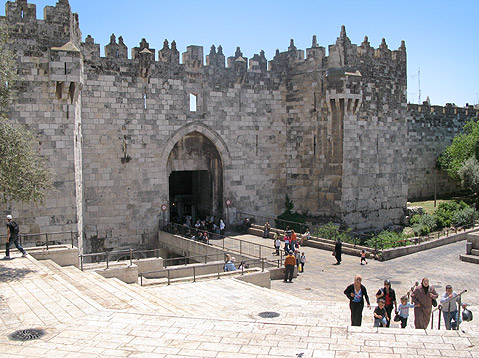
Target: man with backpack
12 237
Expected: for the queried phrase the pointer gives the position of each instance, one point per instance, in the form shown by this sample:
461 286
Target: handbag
397 318
434 302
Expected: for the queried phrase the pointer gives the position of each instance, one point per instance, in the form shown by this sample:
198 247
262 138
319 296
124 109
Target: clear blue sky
441 36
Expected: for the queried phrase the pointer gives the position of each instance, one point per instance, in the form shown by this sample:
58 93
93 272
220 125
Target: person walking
388 294
449 305
403 311
381 318
12 237
357 293
277 243
303 261
222 227
337 251
289 262
422 297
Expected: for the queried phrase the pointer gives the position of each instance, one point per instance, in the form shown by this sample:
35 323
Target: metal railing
51 238
245 266
356 237
215 239
439 308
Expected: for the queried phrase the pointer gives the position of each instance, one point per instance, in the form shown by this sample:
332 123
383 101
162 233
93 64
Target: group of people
423 298
294 256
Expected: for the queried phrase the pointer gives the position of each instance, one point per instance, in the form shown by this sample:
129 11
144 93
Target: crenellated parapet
449 109
59 26
169 55
116 50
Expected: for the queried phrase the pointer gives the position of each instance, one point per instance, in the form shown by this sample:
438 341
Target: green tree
469 174
23 176
463 147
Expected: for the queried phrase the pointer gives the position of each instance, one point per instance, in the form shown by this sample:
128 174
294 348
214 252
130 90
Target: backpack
14 228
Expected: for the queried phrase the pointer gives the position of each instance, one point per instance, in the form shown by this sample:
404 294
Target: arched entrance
195 178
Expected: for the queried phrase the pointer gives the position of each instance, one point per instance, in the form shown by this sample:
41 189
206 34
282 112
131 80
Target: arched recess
194 159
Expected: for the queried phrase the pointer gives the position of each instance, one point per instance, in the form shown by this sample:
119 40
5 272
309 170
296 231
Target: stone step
469 258
113 293
54 300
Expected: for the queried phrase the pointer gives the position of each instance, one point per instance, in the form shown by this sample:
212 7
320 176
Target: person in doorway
388 294
12 237
337 251
266 229
222 227
289 262
422 297
357 293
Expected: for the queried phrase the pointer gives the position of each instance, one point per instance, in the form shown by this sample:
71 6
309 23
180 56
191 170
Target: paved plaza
86 315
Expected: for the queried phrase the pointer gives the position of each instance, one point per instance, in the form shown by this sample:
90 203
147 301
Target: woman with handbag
423 297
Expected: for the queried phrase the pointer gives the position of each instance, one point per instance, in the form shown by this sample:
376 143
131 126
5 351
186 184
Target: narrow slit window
144 100
65 68
193 102
21 14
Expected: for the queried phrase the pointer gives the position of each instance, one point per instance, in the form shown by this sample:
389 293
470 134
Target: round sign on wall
164 207
228 202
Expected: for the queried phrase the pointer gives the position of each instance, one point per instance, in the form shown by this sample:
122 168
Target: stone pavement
86 315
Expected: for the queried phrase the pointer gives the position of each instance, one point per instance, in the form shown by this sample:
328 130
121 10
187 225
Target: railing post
194 274
107 259
81 262
262 264
458 321
131 257
46 240
218 266
157 251
241 247
71 236
206 259
439 318
432 321
141 279
260 251
168 277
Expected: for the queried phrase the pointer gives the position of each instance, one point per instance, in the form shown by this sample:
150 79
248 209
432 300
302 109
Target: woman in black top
356 294
389 296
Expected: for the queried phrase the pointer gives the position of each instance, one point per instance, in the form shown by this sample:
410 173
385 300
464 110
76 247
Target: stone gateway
125 134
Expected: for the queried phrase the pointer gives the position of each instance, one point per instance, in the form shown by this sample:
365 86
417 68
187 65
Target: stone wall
331 132
430 130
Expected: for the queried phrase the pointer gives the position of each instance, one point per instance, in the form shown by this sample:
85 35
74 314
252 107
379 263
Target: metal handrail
214 238
73 236
439 308
131 253
222 264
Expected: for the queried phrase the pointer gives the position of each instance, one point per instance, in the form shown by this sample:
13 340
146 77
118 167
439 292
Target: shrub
332 232
463 217
387 239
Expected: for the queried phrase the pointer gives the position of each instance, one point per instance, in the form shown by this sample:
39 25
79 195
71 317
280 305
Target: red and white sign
164 207
228 202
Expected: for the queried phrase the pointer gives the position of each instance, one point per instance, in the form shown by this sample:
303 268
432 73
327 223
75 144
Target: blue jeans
380 322
450 319
13 240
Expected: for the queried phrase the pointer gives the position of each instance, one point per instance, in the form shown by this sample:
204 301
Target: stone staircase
88 315
472 249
